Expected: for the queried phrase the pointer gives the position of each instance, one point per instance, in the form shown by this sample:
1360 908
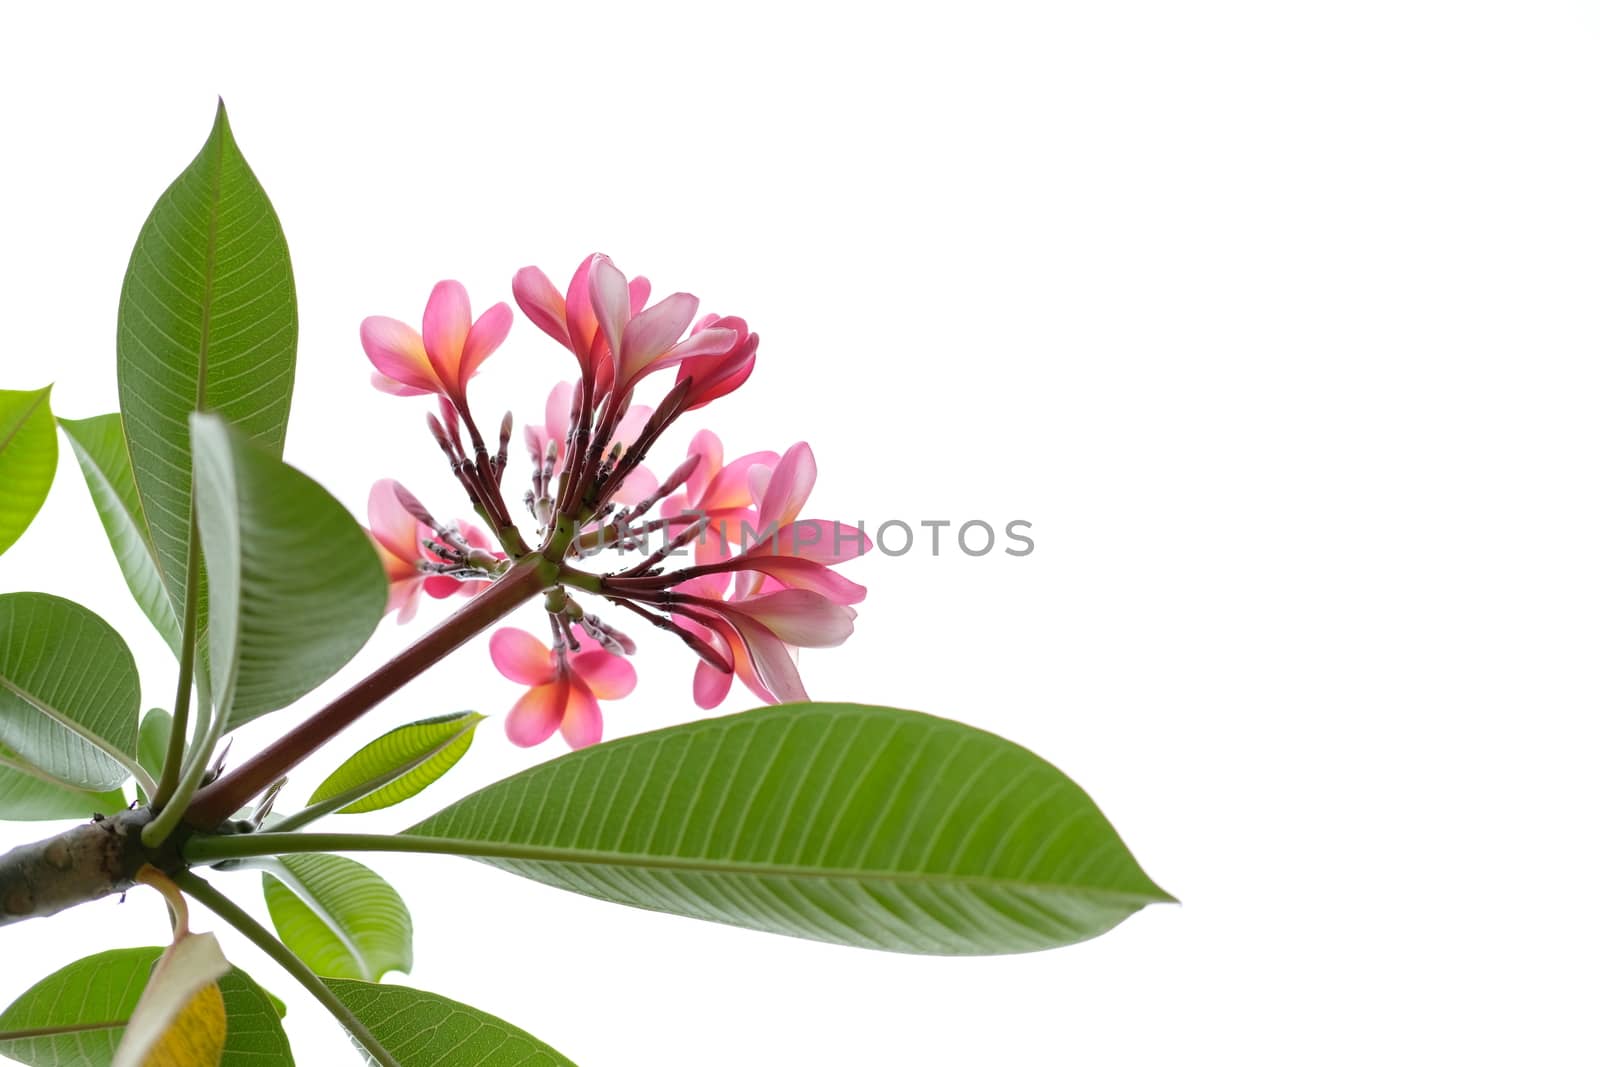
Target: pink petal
819 540
541 301
708 447
608 676
734 486
521 657
790 486
485 336
581 723
710 685
397 351
638 294
608 293
440 586
536 716
632 422
651 332
445 322
581 322
404 596
558 411
800 617
393 527
777 679
636 485
385 384
798 573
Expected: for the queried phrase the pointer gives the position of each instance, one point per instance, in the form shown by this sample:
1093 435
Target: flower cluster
761 583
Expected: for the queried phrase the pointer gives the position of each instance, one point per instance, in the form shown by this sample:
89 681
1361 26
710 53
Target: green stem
240 920
579 579
172 766
208 733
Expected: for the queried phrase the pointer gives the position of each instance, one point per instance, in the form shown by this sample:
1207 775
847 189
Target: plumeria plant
866 826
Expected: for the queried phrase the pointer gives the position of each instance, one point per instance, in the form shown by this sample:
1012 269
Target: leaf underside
426 1030
60 661
430 747
27 459
339 916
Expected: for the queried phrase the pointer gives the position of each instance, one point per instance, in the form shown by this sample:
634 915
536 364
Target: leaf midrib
471 849
80 730
11 434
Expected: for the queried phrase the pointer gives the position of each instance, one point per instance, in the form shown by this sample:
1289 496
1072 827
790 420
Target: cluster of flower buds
761 583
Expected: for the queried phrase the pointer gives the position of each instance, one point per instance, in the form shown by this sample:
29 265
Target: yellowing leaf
196 1036
180 1013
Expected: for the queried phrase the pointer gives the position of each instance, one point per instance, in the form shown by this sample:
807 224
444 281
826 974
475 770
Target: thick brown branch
85 863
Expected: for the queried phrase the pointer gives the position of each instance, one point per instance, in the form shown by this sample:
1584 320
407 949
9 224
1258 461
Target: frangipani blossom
721 493
398 535
757 634
564 688
603 321
444 356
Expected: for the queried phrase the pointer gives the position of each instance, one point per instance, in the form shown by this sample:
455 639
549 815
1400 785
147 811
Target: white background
1276 320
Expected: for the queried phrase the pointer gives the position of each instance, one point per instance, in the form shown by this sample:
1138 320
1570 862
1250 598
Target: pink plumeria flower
638 484
756 635
721 493
602 320
782 492
444 356
720 373
398 536
564 688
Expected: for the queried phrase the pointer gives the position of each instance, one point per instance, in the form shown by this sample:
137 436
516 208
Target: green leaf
27 459
28 794
839 822
155 732
295 584
69 694
103 454
341 918
426 1030
413 757
76 1016
207 322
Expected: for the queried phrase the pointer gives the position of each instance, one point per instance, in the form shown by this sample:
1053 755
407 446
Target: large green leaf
295 585
411 757
27 459
69 694
75 1017
426 1030
839 822
103 454
207 322
27 794
341 918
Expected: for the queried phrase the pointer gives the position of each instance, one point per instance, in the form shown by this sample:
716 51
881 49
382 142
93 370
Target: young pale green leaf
28 794
295 584
27 459
859 825
426 1030
341 918
102 452
207 321
76 1017
410 758
69 694
155 731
